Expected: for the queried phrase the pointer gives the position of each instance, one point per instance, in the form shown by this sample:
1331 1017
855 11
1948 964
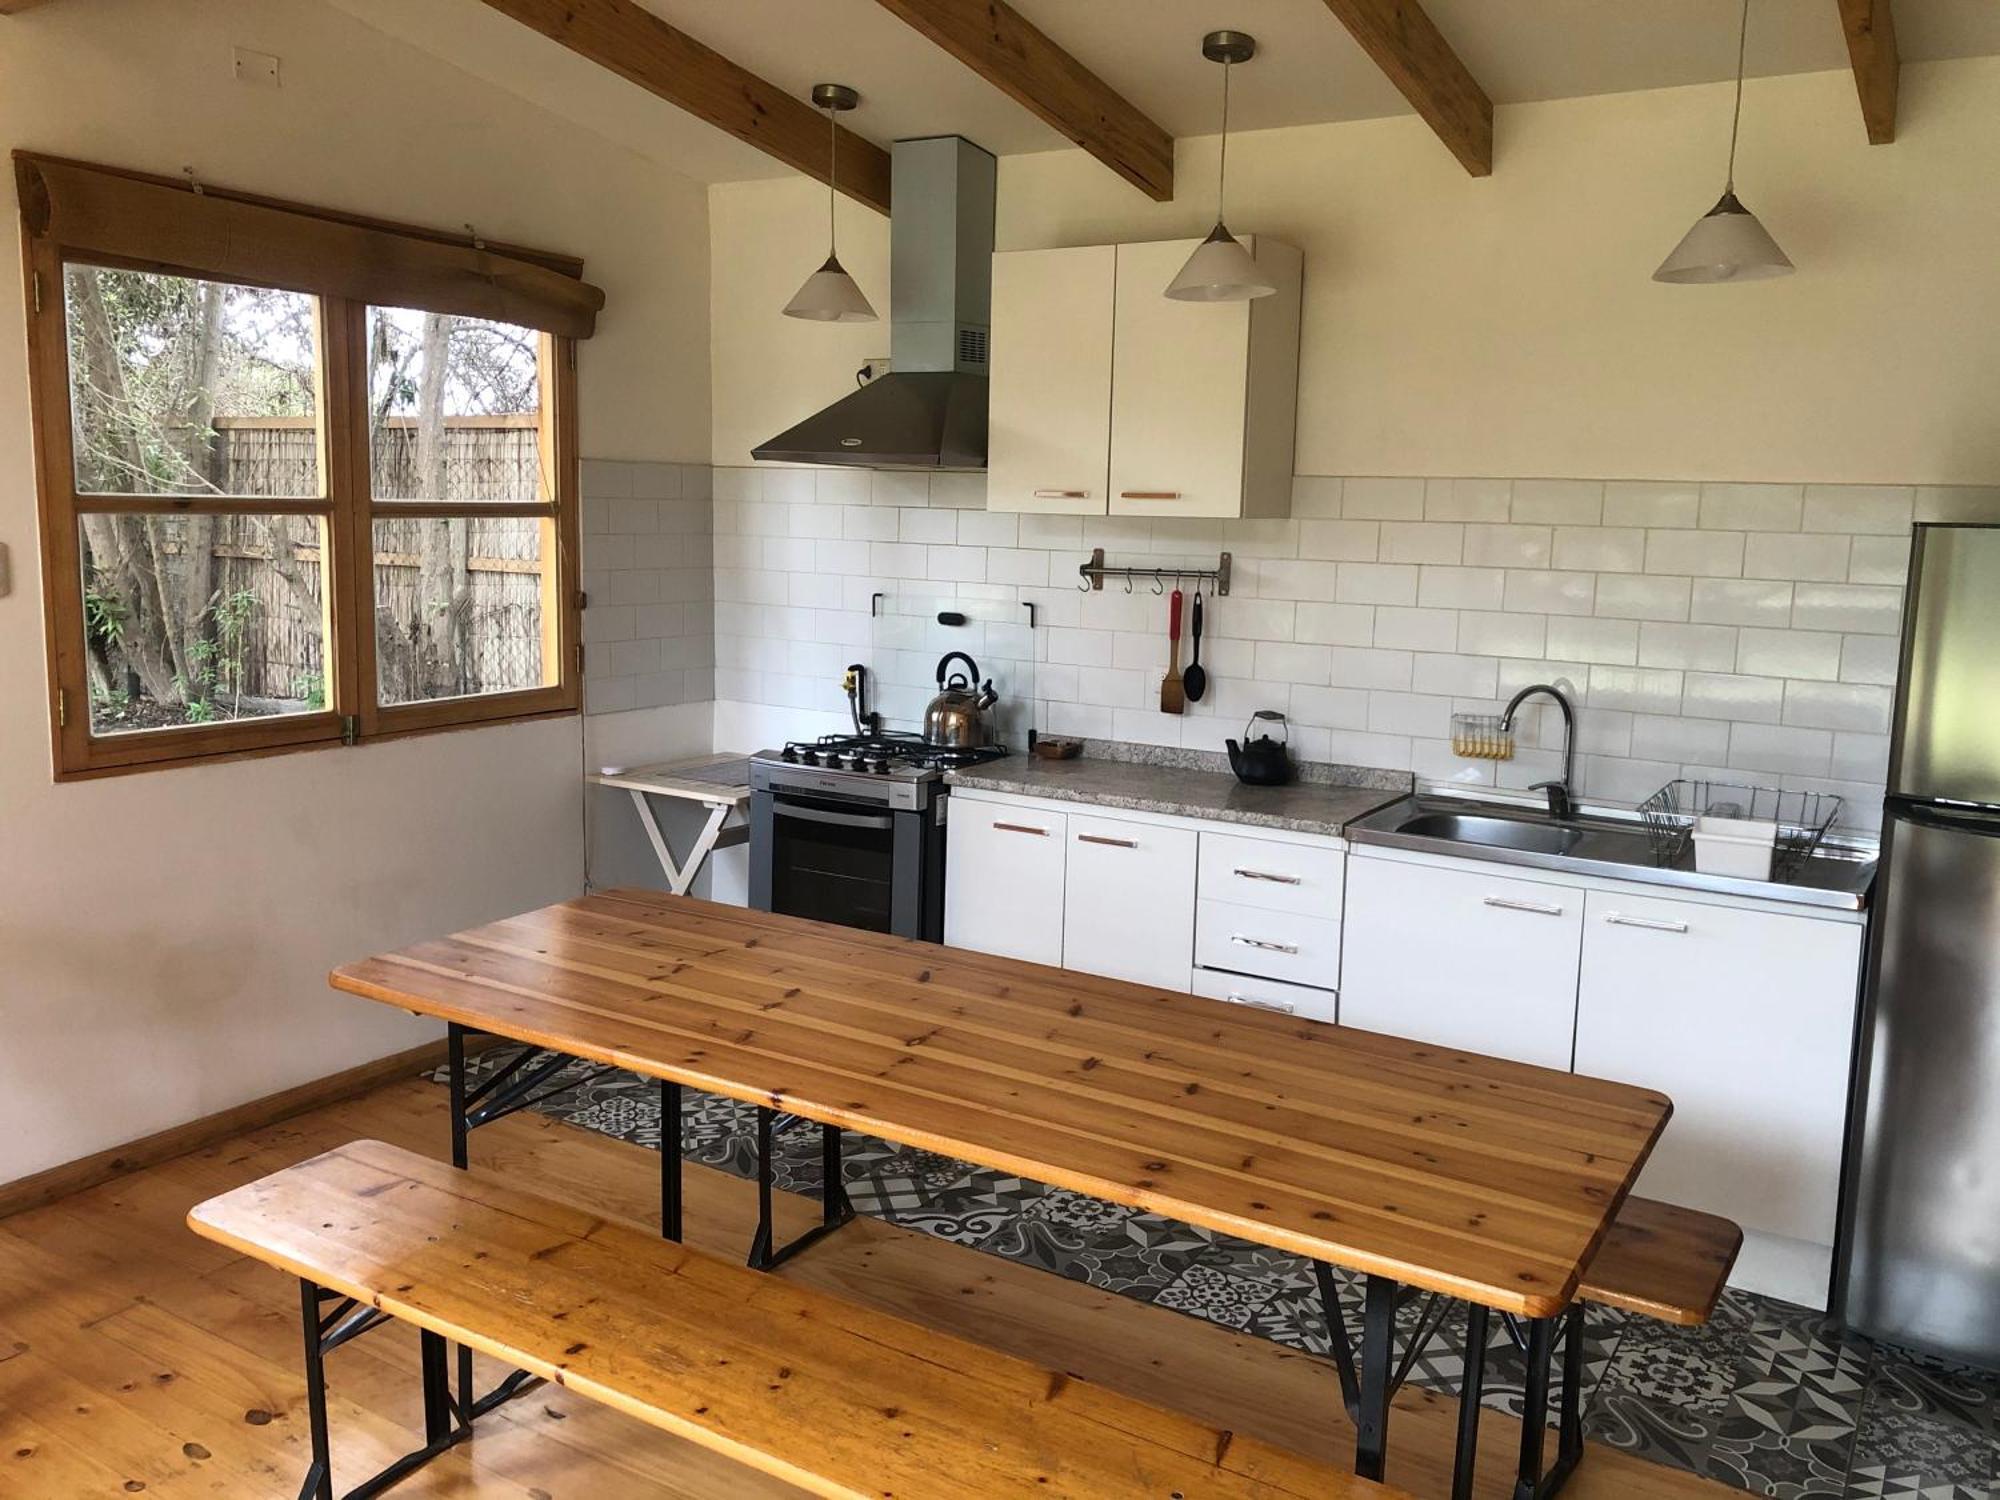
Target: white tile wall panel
1770 554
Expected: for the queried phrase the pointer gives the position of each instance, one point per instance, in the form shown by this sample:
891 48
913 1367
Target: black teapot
1262 761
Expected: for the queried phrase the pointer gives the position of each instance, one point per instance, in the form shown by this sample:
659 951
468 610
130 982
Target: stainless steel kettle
956 717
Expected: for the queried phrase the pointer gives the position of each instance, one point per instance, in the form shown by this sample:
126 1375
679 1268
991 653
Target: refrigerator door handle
1979 823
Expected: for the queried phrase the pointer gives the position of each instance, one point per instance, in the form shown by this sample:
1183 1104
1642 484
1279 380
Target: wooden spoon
1173 697
1195 681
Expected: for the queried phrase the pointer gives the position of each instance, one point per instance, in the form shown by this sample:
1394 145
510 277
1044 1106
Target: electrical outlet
260 68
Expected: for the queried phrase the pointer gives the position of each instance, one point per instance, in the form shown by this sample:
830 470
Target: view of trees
205 389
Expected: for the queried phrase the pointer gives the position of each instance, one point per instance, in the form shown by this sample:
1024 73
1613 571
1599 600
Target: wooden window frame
347 510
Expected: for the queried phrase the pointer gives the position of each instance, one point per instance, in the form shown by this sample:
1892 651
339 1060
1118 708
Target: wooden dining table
1427 1171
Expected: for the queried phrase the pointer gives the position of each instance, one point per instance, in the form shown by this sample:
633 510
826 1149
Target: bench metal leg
670 1159
1537 1341
835 1210
318 1483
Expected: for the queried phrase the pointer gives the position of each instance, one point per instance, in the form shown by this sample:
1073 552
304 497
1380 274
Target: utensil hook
1159 587
1128 583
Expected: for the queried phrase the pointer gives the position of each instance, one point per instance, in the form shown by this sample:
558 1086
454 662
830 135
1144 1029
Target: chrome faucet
1559 791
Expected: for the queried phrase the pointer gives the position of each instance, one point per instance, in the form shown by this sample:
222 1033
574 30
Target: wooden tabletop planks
1469 1175
836 1398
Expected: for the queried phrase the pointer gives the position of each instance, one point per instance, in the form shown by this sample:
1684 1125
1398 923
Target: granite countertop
1188 791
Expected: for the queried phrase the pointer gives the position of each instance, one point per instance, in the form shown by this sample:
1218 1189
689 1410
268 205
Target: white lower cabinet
1276 944
1461 958
1265 994
1128 907
1745 1019
1004 869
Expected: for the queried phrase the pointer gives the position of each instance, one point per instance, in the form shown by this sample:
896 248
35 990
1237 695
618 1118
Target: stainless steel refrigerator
1920 1245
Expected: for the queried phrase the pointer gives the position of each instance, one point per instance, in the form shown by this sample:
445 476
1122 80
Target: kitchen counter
1320 807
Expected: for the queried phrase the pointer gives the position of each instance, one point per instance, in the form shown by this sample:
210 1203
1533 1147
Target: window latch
350 730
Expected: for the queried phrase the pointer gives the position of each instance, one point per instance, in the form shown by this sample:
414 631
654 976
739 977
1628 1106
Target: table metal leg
1471 1389
1378 1348
835 1209
1534 1410
670 1159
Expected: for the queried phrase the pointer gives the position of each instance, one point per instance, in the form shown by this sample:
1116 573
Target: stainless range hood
929 410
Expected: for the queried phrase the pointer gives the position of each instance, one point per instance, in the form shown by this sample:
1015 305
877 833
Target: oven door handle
825 815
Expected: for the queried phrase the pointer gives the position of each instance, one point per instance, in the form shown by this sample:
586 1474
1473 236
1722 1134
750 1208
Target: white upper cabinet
1049 361
1107 397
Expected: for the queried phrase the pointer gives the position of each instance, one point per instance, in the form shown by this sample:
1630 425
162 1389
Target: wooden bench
1664 1261
835 1398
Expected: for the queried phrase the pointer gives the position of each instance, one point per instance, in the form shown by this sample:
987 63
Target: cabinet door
1049 363
1745 1019
1003 889
1461 958
1128 904
1180 371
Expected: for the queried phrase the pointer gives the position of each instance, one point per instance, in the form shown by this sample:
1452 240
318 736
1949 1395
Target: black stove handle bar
784 809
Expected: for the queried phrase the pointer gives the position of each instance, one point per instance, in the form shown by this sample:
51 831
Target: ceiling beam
1871 46
1000 45
664 60
1408 48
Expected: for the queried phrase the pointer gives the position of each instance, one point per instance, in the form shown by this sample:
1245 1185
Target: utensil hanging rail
1095 572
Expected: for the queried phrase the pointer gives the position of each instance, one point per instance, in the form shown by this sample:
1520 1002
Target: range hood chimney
929 410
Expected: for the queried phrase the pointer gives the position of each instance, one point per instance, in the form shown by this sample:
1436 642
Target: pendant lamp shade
1221 270
830 295
1726 244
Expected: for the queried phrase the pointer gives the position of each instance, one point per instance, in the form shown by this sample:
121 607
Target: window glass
454 408
186 387
459 606
196 619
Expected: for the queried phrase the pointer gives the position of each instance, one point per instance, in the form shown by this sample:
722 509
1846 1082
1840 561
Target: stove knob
881 765
833 760
810 757
790 754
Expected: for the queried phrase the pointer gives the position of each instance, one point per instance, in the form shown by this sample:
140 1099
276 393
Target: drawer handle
1265 943
1278 1005
1098 838
1651 924
1062 494
1274 879
1507 903
1149 494
1040 833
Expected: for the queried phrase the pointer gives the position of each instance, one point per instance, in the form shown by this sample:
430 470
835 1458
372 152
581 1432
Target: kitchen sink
1493 833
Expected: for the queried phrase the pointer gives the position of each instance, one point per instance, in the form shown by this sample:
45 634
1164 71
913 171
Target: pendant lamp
1727 243
1221 270
829 295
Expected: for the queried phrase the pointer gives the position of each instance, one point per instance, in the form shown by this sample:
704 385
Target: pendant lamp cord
833 175
1736 119
1222 166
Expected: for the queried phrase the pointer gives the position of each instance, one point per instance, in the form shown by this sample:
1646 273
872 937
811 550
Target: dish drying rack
1802 818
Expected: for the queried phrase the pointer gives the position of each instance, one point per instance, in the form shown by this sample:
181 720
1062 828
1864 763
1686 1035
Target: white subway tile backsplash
1780 749
1861 757
1334 624
1958 502
1416 629
1600 549
1291 661
1422 542
1625 596
1460 588
1358 667
1837 705
1342 541
1366 583
1652 504
1316 496
1558 502
1702 648
1669 737
1508 546
1057 533
1879 559
1330 707
1860 509
1612 642
1413 714
1800 555
1723 695
1382 499
1861 608
990 528
1700 554
1789 653
1634 689
1751 507
1455 676
1870 658
1728 601
1467 499
927 526
1491 633
1541 592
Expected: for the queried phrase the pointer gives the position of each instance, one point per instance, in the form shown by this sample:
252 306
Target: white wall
164 937
1509 326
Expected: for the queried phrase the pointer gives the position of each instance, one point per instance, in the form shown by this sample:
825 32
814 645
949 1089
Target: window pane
458 607
184 387
196 619
454 408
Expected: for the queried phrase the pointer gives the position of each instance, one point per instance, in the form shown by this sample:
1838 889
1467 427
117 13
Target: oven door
852 864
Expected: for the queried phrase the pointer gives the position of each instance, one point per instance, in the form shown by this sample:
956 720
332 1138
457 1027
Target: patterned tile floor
1769 1398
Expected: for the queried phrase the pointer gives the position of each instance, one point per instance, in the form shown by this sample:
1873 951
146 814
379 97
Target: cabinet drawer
1129 906
1265 994
1299 878
1003 890
1277 945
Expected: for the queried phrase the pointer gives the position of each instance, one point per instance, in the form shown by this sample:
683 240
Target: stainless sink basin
1493 833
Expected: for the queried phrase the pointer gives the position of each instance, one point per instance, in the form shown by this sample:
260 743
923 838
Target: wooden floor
137 1358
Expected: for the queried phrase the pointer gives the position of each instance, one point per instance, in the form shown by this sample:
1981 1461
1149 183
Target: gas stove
897 770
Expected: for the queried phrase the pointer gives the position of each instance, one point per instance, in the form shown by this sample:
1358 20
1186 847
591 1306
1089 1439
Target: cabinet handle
1651 924
1278 1005
1506 903
1098 838
1274 879
1062 494
1265 943
1149 494
1040 833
